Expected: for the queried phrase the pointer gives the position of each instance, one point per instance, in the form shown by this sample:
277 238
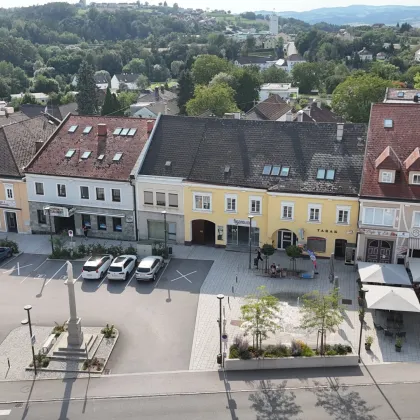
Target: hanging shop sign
242 222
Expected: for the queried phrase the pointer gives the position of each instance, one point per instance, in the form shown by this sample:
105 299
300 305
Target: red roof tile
51 159
388 160
412 163
403 138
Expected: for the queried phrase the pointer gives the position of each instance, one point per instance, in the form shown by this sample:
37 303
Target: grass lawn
171 82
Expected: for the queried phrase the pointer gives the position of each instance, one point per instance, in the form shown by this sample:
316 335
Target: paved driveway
156 320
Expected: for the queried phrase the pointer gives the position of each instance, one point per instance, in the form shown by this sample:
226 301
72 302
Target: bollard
8 362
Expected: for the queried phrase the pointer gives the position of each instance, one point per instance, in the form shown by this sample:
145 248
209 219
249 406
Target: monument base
75 334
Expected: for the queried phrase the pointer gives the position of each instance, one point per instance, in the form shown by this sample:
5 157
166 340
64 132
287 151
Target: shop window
316 244
101 223
117 224
42 219
86 220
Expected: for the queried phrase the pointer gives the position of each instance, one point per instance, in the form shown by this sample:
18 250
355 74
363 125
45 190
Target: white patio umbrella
402 299
389 274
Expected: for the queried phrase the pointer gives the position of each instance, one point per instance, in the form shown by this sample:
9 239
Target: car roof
148 261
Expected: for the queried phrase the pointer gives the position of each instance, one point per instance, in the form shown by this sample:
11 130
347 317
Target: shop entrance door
11 221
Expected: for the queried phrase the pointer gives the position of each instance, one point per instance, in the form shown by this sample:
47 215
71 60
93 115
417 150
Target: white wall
73 192
115 84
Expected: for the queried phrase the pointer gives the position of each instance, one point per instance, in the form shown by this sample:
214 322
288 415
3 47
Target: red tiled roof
51 159
388 160
403 138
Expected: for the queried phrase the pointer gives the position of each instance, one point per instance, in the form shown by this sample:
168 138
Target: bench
48 344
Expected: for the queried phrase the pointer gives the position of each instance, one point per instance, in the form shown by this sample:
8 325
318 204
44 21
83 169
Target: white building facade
274 24
284 90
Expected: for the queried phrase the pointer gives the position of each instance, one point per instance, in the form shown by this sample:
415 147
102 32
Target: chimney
289 116
150 124
307 110
38 145
340 131
156 93
300 116
102 131
318 104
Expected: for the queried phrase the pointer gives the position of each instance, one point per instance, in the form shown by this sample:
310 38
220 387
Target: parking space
156 319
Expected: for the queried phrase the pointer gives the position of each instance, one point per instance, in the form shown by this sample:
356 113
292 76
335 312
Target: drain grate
107 371
19 405
347 301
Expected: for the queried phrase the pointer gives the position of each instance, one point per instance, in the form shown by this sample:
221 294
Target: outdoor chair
389 333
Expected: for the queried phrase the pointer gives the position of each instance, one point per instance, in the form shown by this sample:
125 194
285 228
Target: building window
316 244
230 203
171 232
39 188
156 229
415 179
117 224
173 200
61 190
160 199
314 213
386 177
42 219
202 201
287 211
101 222
116 195
9 191
416 219
343 215
148 197
100 194
86 220
255 205
378 216
84 193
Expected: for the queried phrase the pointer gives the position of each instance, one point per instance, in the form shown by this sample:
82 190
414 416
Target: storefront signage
129 219
242 222
58 211
403 234
7 203
378 232
327 231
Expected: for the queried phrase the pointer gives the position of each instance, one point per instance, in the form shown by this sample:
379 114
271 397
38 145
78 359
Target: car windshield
115 269
119 260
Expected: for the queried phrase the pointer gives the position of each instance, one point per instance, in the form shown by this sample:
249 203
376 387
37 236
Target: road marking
11 259
129 281
43 262
15 268
79 277
161 274
5 412
184 276
56 273
100 284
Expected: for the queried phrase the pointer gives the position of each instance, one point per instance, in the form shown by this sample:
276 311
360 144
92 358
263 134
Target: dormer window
386 177
414 178
388 123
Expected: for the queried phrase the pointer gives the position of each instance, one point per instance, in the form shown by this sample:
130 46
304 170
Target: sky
237 6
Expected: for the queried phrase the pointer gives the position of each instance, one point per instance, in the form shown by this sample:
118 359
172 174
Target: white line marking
79 277
39 266
184 276
100 284
5 412
56 273
34 270
7 262
161 274
129 281
16 268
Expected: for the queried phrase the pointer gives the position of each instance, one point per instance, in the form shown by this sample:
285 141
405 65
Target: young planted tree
293 252
321 313
267 250
260 316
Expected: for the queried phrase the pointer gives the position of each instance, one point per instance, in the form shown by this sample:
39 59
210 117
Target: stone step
79 349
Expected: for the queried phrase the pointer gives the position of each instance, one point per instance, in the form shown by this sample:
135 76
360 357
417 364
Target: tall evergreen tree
186 89
87 101
108 106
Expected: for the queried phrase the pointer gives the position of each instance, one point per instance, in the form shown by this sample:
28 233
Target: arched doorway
203 232
379 251
285 238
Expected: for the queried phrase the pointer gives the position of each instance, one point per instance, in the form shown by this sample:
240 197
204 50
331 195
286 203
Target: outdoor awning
392 298
388 274
414 265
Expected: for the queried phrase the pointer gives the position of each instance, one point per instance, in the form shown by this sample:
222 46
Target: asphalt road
156 320
279 403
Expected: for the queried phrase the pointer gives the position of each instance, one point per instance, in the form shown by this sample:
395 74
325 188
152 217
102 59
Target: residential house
297 186
128 79
19 141
41 98
365 55
390 46
344 35
57 111
417 55
284 90
396 95
82 176
253 60
381 56
292 60
389 220
100 80
274 108
9 116
151 104
316 112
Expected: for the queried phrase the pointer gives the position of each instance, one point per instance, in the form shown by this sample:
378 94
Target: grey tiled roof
199 149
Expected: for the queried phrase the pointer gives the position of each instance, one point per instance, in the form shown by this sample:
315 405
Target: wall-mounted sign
327 231
58 211
403 234
7 203
242 222
129 219
378 232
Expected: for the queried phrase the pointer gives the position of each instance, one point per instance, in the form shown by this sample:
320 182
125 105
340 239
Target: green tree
224 78
274 75
45 84
135 66
126 99
28 99
321 313
218 99
206 67
185 90
260 315
109 106
352 99
4 89
176 67
87 101
248 87
293 252
142 82
385 71
306 76
417 81
409 75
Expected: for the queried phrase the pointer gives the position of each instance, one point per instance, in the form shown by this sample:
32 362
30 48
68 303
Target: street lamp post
220 297
51 232
28 321
166 234
250 217
362 320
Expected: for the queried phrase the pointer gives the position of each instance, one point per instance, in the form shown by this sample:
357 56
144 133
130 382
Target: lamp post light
28 321
220 297
250 217
362 318
51 232
166 234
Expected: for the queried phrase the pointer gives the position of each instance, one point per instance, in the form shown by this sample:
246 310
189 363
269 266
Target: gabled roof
100 79
253 59
388 160
166 95
412 163
394 95
17 143
270 109
59 112
320 114
12 118
127 77
295 57
403 138
52 160
200 149
364 51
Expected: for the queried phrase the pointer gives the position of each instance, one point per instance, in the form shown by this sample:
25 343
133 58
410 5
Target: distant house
315 112
294 59
252 60
57 111
390 45
365 55
417 55
381 56
129 79
100 81
344 35
403 96
283 90
274 108
41 98
152 104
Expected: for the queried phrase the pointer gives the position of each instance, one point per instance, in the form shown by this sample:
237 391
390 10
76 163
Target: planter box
292 362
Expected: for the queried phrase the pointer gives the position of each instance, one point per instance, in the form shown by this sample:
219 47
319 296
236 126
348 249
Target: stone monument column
74 324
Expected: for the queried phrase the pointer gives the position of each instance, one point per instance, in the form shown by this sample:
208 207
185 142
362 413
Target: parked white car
95 267
121 267
149 267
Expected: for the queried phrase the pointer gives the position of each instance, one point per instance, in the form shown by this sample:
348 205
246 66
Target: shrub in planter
307 351
58 329
233 352
368 342
108 331
10 244
340 349
398 344
297 348
331 353
130 250
245 354
115 250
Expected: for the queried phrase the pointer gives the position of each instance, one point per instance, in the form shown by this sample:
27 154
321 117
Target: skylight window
320 174
101 157
267 170
70 153
73 128
117 131
117 157
132 132
124 131
401 94
388 123
285 171
86 154
275 171
87 129
330 174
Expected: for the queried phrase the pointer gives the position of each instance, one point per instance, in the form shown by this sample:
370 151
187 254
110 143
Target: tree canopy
207 66
87 102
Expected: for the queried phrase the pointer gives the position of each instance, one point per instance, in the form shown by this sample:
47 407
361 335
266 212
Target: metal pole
166 234
30 333
51 232
250 226
220 326
361 322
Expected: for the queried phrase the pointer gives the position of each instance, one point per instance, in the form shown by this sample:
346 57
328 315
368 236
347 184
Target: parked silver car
149 267
121 267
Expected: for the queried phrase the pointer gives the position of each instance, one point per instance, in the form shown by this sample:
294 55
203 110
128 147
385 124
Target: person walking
85 230
259 258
